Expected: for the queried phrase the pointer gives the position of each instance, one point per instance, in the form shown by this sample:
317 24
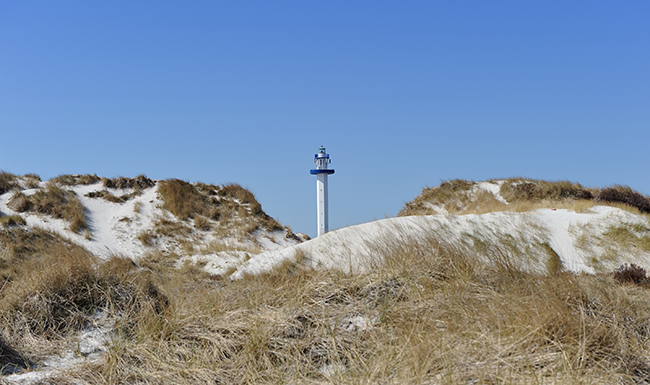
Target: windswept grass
7 182
32 180
430 313
51 289
12 220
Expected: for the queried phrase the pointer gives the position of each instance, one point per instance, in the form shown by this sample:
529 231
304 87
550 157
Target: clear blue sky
403 94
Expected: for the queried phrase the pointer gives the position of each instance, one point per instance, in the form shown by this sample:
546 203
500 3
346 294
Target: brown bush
201 223
242 195
630 274
11 360
221 203
624 194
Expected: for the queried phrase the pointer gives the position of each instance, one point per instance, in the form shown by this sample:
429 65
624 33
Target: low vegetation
427 312
11 220
52 288
54 201
31 180
230 205
8 182
464 197
625 195
140 182
108 196
431 313
74 180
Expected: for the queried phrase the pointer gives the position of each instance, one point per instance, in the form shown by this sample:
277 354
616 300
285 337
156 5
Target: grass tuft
554 264
32 180
12 220
181 198
53 201
232 206
140 182
108 196
76 179
8 182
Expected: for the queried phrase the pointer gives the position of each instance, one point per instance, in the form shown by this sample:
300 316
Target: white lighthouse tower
322 159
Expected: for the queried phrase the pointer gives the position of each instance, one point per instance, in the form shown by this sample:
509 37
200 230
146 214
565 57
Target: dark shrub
527 191
624 194
140 182
585 194
11 360
630 274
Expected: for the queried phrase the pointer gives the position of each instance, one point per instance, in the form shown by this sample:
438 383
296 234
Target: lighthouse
321 159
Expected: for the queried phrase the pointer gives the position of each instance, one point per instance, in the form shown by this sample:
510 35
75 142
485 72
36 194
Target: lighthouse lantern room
322 159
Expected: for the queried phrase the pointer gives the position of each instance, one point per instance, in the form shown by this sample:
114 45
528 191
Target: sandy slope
521 235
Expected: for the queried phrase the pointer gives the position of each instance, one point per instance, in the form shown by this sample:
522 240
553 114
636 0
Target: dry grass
232 207
522 194
76 179
140 182
32 180
51 289
628 236
201 223
517 189
56 202
19 202
137 207
108 196
181 198
8 182
430 314
453 195
12 220
147 237
483 202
